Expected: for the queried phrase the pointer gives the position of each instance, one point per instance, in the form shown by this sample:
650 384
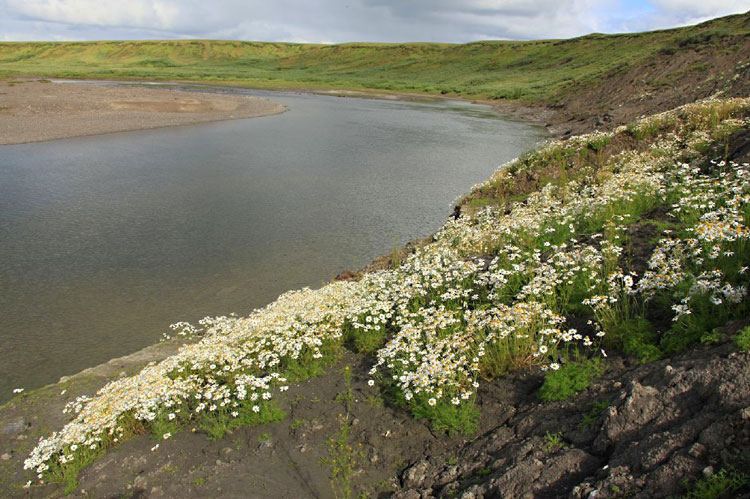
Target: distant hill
593 70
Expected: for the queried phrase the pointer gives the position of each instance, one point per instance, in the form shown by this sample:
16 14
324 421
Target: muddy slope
716 66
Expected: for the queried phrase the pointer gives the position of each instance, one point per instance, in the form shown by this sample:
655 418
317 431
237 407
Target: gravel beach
39 110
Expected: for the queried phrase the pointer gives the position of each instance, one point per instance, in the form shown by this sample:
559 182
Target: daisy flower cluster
531 279
706 261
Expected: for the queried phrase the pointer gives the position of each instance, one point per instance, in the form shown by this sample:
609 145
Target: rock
266 444
640 405
708 471
415 474
697 450
15 427
5 457
407 494
346 275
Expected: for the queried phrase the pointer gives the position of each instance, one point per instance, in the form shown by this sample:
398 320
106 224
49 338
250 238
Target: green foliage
635 337
163 425
571 378
81 456
717 486
482 472
742 340
506 354
342 460
553 441
264 437
712 337
445 417
346 397
217 423
307 366
344 456
704 318
67 474
367 342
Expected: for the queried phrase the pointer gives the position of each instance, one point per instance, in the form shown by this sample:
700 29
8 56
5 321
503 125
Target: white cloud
346 20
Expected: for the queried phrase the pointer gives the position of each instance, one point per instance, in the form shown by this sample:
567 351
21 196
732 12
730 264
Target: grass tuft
570 379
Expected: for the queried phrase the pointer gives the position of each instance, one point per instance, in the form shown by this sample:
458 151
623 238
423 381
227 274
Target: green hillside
531 71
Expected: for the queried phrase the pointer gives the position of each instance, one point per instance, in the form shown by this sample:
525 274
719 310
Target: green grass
742 340
553 441
216 424
571 378
445 417
525 70
307 366
717 486
366 342
635 337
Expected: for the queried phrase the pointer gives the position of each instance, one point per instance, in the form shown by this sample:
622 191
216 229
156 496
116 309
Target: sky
335 21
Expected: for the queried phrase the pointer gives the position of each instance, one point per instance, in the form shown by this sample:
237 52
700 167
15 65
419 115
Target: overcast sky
331 21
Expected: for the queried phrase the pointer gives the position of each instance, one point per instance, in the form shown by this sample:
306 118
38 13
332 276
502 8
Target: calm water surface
106 240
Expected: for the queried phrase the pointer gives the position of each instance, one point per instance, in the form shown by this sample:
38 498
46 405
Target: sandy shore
33 111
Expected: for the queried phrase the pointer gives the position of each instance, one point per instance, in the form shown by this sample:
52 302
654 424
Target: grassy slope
532 71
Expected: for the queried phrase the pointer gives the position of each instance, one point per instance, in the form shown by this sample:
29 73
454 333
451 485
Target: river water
106 240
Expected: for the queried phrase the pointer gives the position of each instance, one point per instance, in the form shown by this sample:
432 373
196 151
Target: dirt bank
668 79
639 431
37 110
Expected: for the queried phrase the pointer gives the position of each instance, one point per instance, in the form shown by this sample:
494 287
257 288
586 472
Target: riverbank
570 227
573 86
34 110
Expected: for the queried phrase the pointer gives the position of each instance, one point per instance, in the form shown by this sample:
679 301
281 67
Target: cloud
164 15
701 8
346 20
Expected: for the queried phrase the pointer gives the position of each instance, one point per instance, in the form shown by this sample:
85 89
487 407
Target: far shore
34 110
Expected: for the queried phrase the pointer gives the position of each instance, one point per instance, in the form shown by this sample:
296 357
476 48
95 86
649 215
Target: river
106 240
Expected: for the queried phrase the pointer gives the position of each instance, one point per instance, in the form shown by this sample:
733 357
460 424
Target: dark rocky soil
664 423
